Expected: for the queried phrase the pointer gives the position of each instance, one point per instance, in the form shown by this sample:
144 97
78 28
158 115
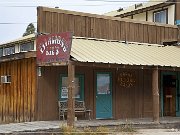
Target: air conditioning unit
6 79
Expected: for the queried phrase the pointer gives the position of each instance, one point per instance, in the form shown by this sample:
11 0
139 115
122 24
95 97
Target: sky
15 15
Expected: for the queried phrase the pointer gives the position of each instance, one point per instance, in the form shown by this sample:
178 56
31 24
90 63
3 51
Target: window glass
1 52
9 50
103 84
160 17
79 87
27 46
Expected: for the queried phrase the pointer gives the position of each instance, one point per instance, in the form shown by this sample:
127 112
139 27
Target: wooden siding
48 90
97 26
134 102
177 10
18 98
177 15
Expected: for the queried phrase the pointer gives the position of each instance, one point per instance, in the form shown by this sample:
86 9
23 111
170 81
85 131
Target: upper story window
160 16
1 52
9 50
27 46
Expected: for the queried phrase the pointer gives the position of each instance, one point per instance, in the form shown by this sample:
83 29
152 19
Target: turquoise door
103 95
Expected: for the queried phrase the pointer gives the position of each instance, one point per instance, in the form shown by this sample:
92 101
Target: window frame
81 79
158 11
26 44
110 83
4 51
1 55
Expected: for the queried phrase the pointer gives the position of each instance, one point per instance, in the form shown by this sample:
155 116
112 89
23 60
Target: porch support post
71 87
155 95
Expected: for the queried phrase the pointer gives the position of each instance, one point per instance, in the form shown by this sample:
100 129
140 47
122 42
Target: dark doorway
169 95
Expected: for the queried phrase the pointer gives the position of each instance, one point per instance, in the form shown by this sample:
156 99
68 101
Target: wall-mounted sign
126 79
53 48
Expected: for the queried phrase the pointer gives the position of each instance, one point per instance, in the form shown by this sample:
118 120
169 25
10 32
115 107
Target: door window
103 95
103 84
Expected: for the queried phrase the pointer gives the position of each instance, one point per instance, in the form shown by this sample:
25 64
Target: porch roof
132 53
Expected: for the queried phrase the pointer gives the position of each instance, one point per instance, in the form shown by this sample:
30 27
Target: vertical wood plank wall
48 90
177 15
177 11
96 26
17 99
134 102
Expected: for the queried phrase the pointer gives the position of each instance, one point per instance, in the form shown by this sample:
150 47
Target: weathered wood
177 10
71 88
15 97
104 27
155 95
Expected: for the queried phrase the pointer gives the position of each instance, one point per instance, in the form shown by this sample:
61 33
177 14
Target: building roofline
103 17
19 40
145 7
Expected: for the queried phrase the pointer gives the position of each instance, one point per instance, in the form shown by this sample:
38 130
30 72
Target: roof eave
137 11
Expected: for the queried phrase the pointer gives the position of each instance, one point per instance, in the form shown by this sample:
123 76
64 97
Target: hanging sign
126 79
53 48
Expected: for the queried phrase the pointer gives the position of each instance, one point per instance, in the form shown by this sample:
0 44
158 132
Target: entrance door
169 95
103 95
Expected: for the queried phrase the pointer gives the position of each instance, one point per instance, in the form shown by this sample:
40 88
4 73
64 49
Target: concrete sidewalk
29 126
165 123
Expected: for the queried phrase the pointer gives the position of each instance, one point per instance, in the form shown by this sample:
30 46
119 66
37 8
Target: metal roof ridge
31 36
119 41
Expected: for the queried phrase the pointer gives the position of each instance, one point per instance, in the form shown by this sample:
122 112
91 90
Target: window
9 50
6 79
27 46
103 83
160 16
1 52
79 87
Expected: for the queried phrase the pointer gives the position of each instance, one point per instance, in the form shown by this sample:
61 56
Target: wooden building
117 78
105 27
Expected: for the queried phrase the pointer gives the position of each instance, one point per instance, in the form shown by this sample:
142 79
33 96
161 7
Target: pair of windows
11 49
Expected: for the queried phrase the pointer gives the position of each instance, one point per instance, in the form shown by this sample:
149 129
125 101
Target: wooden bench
79 108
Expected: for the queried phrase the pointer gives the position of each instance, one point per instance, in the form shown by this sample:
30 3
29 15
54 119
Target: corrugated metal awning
104 51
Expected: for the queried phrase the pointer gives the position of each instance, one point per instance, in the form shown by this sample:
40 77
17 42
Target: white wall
17 48
142 16
171 14
128 17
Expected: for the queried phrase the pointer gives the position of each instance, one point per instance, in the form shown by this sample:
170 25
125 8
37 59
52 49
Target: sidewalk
168 124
